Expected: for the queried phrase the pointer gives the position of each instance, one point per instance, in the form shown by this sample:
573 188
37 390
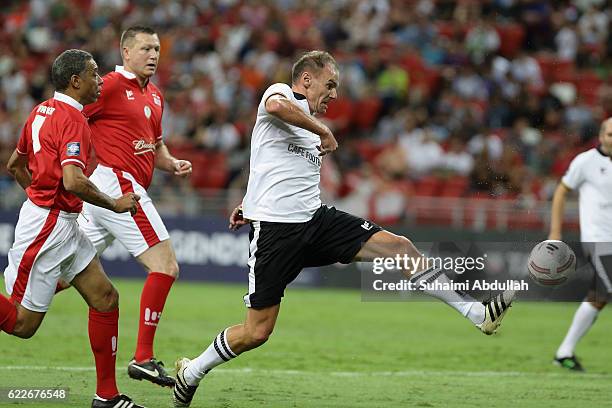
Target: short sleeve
574 176
22 144
74 145
279 88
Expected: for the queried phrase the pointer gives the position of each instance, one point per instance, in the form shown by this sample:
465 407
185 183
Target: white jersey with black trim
591 174
285 166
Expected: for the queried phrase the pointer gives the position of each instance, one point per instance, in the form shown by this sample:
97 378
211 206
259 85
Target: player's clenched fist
127 202
182 168
328 144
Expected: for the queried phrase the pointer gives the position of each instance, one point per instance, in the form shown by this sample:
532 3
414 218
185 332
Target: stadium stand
463 101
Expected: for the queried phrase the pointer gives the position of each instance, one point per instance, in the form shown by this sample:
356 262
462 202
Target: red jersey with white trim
126 125
56 134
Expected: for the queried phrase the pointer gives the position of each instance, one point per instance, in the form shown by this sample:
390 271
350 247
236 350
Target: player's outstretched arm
166 162
18 167
78 184
287 111
558 207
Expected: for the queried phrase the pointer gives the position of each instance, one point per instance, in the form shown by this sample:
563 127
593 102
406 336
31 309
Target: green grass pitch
329 349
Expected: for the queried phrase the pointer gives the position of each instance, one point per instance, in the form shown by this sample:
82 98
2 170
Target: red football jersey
126 125
56 134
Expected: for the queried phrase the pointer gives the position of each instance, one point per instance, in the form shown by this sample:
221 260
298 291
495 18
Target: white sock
583 320
462 302
217 353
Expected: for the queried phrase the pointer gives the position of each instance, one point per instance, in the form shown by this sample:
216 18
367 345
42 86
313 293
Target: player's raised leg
17 320
8 315
160 263
227 345
486 316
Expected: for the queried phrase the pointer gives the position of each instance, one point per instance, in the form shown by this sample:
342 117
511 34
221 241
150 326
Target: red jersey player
48 163
127 138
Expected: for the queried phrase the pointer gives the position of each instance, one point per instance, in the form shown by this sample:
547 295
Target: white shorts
48 246
102 226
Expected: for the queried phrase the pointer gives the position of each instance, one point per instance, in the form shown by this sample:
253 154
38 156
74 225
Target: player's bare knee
24 329
24 333
260 335
108 300
172 269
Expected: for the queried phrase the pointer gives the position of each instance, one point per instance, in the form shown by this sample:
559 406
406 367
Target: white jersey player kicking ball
291 229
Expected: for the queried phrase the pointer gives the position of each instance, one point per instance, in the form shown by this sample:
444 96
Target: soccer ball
551 263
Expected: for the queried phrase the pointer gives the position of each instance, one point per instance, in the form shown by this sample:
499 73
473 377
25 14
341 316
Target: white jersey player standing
590 173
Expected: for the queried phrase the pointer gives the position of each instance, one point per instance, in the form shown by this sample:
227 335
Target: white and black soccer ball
551 263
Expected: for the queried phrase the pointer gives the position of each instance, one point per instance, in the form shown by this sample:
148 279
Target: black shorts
600 258
279 251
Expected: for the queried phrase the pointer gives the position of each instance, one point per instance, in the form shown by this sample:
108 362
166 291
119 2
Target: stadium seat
563 71
368 150
366 112
511 37
588 84
454 187
428 186
209 171
340 113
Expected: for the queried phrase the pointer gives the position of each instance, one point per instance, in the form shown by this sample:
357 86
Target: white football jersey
285 167
591 174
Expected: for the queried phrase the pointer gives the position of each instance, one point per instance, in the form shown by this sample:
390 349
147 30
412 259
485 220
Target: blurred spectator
430 74
457 159
593 26
525 69
481 40
567 42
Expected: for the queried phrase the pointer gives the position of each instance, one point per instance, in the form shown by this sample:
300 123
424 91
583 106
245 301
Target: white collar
122 71
62 97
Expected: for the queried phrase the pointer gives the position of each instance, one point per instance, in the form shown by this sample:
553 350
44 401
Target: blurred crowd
465 98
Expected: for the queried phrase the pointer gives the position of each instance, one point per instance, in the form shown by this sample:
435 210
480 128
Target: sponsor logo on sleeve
73 149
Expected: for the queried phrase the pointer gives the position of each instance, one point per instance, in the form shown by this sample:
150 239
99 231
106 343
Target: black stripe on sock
226 346
434 275
219 351
503 304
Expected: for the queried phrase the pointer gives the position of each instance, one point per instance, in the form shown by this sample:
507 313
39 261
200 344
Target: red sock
103 333
152 300
8 315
